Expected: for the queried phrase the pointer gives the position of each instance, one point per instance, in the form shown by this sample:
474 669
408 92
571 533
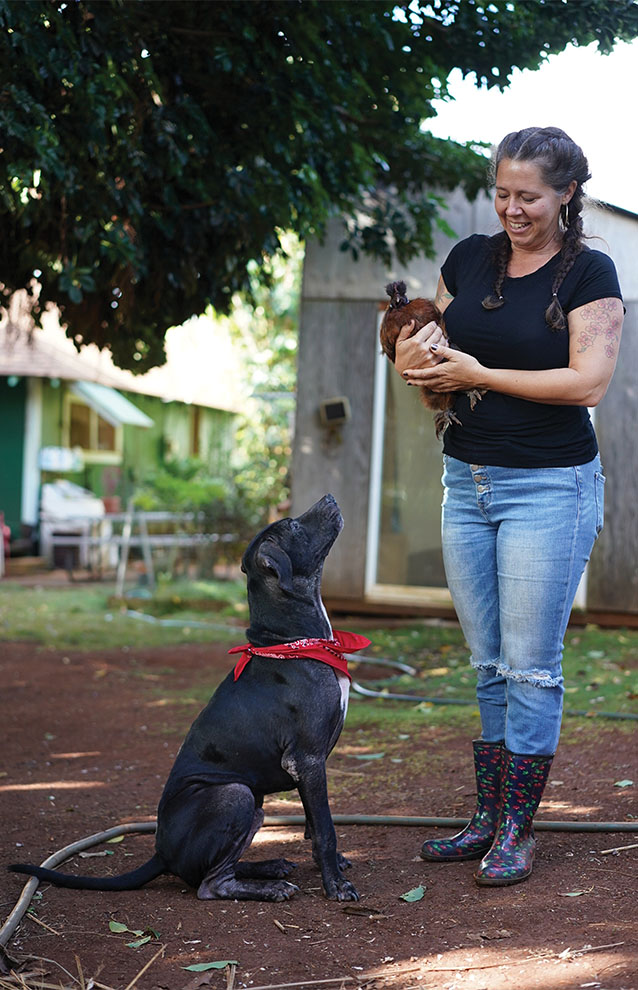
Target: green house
72 415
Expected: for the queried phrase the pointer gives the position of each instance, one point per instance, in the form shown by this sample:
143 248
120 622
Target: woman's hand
454 371
416 352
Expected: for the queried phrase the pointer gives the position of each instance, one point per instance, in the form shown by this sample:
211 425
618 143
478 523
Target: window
98 439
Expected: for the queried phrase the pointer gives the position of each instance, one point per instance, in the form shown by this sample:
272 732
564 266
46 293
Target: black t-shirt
503 430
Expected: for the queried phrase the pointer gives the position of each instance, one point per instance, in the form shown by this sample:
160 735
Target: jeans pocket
599 491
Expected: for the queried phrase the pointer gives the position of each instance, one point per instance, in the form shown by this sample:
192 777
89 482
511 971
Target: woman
538 317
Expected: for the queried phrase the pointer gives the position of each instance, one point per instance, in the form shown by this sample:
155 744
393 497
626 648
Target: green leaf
203 967
416 894
118 927
370 756
624 783
116 838
138 942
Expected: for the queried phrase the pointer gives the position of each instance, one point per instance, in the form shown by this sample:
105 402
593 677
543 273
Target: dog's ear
271 557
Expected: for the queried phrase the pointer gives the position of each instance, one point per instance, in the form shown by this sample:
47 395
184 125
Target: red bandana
330 651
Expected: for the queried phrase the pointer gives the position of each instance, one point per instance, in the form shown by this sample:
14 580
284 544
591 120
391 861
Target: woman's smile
527 207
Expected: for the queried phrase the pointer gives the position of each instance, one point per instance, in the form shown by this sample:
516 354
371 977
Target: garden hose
381 662
22 905
387 695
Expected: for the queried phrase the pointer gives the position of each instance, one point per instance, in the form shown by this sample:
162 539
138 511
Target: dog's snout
326 505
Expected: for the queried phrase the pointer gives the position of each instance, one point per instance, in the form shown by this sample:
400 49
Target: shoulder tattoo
603 320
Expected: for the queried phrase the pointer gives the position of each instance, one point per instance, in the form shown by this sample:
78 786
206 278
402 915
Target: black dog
269 728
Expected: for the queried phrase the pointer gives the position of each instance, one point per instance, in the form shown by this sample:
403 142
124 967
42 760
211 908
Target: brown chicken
422 311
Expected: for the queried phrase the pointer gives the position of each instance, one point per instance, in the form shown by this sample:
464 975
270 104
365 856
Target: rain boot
511 856
478 835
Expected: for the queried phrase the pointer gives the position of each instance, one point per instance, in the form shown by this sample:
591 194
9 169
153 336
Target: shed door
404 551
404 562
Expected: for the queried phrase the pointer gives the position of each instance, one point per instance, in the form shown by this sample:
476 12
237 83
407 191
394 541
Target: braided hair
560 161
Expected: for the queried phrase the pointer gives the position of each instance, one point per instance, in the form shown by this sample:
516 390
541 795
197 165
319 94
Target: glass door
404 548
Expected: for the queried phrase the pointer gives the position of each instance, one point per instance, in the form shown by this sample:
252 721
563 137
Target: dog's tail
155 867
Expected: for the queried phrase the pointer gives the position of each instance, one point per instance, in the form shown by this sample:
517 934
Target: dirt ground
87 742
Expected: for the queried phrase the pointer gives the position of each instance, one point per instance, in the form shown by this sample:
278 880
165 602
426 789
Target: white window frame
91 455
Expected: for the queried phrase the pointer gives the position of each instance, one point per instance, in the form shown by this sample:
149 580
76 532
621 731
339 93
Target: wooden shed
363 436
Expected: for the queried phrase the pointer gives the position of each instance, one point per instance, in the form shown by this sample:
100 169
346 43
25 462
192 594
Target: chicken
401 311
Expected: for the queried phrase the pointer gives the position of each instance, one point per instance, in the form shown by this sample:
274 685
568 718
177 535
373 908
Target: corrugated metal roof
201 367
111 405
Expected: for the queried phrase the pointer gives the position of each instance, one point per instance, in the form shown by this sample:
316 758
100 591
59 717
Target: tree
266 335
149 151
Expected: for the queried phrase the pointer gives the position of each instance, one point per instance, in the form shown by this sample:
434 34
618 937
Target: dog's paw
283 867
342 890
240 889
267 869
282 891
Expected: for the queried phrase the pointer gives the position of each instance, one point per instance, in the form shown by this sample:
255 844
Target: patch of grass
221 598
600 667
87 617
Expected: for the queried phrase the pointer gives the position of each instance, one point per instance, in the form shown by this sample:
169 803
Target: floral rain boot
511 856
478 835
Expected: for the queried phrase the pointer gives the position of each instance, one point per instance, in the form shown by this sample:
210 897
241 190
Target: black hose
416 699
58 857
22 905
542 826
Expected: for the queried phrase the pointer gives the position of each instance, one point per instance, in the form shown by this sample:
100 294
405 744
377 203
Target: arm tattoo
442 297
602 320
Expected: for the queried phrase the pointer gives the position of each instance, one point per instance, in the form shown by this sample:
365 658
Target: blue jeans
515 545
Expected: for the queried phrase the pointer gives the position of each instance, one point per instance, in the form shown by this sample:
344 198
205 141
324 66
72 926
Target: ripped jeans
515 545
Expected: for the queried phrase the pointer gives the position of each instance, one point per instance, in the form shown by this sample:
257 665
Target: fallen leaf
138 942
203 967
624 783
370 756
117 926
576 893
116 838
416 894
88 855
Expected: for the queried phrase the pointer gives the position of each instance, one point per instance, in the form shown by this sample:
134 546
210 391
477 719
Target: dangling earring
564 216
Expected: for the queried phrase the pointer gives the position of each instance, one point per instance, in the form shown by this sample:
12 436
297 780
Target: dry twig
160 952
618 849
38 921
